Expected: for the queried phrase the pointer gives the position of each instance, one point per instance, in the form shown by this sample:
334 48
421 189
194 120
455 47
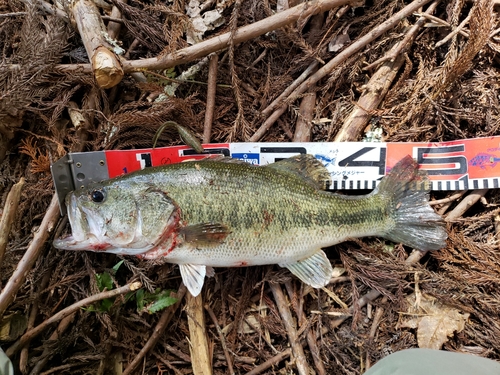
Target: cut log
105 63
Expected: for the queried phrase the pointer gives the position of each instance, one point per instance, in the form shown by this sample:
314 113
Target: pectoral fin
193 276
315 270
205 234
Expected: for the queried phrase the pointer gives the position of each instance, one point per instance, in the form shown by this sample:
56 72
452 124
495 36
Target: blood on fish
100 246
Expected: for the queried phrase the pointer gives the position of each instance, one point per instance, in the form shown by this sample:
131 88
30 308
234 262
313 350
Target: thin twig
376 32
297 349
373 294
48 353
373 330
8 215
449 199
279 100
165 318
31 255
211 89
270 362
222 339
465 204
407 40
310 336
24 356
168 364
68 311
454 32
442 22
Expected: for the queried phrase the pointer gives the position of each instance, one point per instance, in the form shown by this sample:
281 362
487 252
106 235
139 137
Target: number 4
351 161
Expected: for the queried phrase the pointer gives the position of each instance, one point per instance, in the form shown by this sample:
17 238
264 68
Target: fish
228 213
484 160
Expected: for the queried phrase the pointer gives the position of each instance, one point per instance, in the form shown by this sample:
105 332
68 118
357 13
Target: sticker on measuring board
455 165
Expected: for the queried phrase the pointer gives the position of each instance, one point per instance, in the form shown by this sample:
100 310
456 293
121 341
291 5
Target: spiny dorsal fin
307 167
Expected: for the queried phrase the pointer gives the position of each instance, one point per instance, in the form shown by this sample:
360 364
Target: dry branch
378 86
270 362
211 90
8 215
165 318
46 355
28 336
202 49
222 339
297 349
105 63
30 256
465 204
337 60
200 353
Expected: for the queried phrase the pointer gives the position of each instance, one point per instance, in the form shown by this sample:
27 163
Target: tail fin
414 221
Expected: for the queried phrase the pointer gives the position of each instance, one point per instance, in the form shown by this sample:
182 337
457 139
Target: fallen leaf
434 321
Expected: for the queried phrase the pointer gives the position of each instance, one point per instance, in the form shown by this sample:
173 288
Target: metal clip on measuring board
77 170
454 165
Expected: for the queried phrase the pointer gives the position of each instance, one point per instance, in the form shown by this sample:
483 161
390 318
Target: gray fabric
433 362
5 365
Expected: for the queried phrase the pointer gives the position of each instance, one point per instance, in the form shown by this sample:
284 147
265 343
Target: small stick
8 215
442 22
403 44
454 32
23 357
68 311
46 355
165 318
465 204
376 32
168 364
373 94
373 330
297 349
31 255
270 362
114 27
414 257
310 336
303 127
198 345
211 89
449 199
279 100
222 339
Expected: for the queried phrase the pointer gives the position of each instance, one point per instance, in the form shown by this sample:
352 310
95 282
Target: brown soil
435 92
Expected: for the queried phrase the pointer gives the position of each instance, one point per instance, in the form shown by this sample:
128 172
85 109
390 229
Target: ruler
455 165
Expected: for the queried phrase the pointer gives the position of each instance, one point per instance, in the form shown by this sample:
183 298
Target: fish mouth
81 238
71 243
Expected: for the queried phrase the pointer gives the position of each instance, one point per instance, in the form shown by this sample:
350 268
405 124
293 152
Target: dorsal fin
306 167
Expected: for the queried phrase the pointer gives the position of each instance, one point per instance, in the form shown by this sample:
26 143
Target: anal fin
315 270
193 276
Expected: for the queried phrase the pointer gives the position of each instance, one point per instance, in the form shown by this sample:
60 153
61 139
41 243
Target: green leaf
139 298
117 265
162 302
106 305
104 280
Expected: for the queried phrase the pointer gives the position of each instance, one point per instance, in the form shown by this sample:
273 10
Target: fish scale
222 213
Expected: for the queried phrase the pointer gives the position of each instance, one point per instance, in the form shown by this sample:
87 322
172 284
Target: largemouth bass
225 213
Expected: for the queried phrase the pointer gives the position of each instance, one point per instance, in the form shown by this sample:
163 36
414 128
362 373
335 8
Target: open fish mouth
89 243
82 237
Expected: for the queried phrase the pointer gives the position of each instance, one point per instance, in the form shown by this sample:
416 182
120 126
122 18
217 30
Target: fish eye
97 196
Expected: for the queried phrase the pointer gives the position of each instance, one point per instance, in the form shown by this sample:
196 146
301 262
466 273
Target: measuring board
455 165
